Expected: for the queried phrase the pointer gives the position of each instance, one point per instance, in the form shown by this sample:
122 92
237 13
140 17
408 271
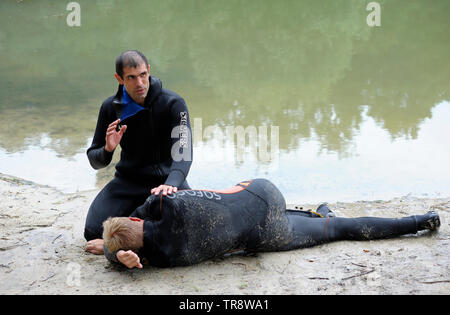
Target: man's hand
166 190
113 137
95 246
129 259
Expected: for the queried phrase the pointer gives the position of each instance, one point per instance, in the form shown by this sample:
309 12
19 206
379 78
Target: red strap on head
135 219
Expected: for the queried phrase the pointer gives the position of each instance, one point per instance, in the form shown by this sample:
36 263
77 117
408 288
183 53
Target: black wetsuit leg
305 232
284 229
119 198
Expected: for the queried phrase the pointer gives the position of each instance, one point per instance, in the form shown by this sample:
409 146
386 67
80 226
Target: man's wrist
108 150
111 256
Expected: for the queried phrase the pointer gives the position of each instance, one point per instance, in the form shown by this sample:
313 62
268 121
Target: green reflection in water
309 67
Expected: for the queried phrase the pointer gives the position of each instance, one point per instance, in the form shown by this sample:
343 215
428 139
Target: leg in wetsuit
289 229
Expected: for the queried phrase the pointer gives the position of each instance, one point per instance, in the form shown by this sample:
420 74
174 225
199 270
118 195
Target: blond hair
120 233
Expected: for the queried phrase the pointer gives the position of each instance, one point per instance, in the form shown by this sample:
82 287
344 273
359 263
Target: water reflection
379 167
313 68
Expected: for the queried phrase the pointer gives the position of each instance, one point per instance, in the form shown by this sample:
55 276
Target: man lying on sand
191 226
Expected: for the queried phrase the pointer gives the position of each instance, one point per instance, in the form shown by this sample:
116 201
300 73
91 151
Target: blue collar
130 107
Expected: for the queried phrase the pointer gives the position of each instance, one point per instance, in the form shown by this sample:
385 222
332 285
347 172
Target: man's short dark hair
129 58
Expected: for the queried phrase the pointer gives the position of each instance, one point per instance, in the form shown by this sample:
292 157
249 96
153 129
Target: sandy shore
42 252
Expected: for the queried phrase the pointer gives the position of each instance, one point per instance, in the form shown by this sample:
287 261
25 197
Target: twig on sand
12 246
359 265
49 277
359 274
56 238
437 281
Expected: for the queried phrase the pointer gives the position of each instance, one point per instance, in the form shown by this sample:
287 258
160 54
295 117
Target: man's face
136 82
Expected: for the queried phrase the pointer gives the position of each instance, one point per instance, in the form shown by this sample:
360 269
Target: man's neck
137 102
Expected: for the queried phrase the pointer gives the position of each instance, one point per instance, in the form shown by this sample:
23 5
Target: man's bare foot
95 246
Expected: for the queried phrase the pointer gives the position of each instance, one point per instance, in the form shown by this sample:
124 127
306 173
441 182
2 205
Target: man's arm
181 151
128 258
97 153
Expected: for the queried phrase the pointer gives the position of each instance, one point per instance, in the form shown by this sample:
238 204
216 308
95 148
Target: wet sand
42 252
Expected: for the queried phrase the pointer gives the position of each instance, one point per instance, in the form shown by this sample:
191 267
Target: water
362 112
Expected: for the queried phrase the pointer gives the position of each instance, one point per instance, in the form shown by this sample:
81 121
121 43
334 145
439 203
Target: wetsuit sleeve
111 256
150 210
97 155
181 149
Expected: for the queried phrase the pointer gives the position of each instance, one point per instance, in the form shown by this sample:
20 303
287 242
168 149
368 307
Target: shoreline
42 252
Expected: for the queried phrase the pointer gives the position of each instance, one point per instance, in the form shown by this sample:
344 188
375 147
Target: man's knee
92 233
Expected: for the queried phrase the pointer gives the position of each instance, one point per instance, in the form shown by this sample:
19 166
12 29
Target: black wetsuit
156 149
191 226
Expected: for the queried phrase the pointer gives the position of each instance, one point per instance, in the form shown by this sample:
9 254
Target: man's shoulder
171 95
107 107
108 101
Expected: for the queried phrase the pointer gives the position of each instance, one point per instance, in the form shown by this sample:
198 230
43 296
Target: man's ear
118 78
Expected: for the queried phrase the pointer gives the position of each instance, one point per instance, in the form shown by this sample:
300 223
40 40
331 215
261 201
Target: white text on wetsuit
196 193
